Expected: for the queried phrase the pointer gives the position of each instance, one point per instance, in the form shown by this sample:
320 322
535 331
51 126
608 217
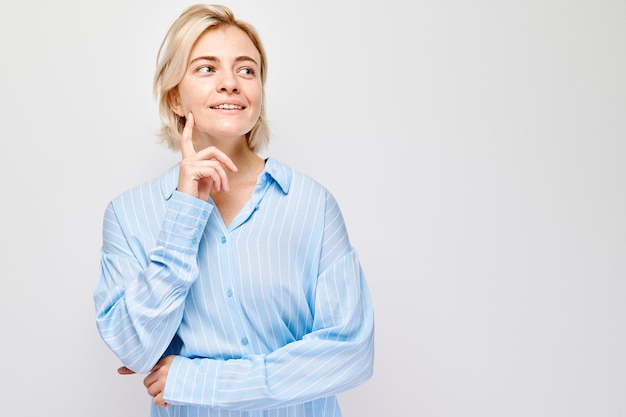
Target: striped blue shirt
270 316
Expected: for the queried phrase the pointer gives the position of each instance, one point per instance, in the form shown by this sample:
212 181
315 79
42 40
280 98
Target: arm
336 355
139 299
140 296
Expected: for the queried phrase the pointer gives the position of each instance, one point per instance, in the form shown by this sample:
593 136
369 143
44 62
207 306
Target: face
222 85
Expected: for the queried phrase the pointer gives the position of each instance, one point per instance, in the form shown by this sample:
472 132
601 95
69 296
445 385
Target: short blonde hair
172 61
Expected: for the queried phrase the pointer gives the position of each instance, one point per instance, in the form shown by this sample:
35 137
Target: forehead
224 42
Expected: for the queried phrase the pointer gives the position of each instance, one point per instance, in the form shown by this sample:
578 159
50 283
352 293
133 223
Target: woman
230 280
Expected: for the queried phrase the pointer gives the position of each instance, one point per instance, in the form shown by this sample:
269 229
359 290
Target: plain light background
477 150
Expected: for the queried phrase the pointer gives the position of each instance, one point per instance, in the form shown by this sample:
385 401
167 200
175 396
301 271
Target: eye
247 71
205 69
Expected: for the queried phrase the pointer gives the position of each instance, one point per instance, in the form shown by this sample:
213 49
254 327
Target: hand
155 381
122 370
203 171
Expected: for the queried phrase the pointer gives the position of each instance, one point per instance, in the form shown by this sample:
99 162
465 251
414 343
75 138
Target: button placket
229 293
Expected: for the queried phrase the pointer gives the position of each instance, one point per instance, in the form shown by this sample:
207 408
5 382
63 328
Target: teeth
229 107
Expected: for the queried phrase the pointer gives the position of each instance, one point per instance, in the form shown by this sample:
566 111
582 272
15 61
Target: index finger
186 139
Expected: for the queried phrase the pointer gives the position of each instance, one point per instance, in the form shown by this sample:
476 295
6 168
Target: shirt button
194 240
223 239
229 293
244 341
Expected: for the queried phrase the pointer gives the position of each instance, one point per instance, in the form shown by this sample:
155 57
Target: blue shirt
270 316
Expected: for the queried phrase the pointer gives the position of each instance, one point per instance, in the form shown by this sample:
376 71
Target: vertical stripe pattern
270 316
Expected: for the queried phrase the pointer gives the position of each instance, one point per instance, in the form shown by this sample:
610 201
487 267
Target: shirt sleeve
139 297
337 355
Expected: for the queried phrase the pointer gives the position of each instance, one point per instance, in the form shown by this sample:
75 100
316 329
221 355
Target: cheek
257 98
191 95
188 102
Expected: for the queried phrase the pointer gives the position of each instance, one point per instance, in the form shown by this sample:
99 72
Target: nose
228 83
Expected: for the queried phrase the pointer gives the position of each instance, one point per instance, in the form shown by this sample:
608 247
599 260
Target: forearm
140 300
139 321
336 355
300 372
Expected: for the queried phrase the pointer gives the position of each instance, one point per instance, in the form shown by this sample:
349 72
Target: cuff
192 382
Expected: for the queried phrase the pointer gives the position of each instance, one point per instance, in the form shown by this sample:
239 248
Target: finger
212 173
154 375
186 139
125 371
214 153
150 379
219 175
213 179
154 389
158 400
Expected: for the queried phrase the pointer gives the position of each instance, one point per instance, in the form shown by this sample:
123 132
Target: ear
173 99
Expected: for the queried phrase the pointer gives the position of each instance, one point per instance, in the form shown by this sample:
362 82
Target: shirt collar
274 170
280 173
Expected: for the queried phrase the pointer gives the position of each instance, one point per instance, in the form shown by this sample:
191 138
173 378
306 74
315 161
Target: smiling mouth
228 107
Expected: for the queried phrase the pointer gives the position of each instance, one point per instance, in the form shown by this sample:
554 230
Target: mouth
228 107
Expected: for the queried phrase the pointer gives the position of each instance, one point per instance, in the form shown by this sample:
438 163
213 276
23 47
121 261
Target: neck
245 160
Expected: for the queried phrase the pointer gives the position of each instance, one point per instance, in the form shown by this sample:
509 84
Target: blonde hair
172 61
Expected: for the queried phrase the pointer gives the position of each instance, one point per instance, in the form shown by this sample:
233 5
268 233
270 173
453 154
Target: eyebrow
216 59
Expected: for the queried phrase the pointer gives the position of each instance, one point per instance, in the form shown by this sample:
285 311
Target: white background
477 150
